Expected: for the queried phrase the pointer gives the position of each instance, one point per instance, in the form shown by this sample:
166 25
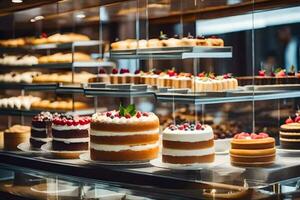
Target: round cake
40 129
15 135
290 133
124 135
252 150
188 144
70 133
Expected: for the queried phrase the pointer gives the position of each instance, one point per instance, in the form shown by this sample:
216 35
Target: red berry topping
123 71
137 71
145 114
82 122
280 74
76 122
253 136
117 115
69 123
201 74
263 135
172 73
198 126
186 125
297 119
138 114
114 71
181 127
127 116
108 114
262 72
102 71
289 120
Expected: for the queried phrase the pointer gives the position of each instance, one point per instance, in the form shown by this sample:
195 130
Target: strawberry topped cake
40 129
70 133
252 150
124 135
188 144
290 133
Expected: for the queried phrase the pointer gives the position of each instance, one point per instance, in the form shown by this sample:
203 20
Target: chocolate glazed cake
40 129
70 133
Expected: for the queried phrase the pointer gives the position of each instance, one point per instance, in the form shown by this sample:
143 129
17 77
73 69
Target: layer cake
70 133
188 144
290 133
124 135
40 129
252 150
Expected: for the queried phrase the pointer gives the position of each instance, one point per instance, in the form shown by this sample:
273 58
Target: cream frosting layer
38 129
101 117
41 139
117 148
108 133
289 133
188 136
72 140
290 140
193 152
66 127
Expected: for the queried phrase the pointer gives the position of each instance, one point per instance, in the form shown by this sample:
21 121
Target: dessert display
164 41
102 77
208 82
64 58
13 42
278 76
70 133
40 130
15 135
15 60
20 102
124 135
55 38
252 150
123 76
290 133
82 77
16 77
59 105
188 144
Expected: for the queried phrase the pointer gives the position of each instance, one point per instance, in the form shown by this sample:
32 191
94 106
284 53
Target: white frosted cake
188 144
124 135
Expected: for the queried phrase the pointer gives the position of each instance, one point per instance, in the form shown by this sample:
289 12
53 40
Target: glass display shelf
28 86
68 45
17 112
173 53
191 183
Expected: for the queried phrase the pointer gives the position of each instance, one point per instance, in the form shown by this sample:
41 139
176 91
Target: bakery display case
150 99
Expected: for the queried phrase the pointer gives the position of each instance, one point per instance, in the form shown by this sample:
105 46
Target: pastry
215 41
102 77
188 144
252 150
16 135
124 135
290 133
70 133
40 130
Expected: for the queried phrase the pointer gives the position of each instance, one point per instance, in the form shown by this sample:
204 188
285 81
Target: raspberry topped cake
40 129
70 133
252 150
290 133
124 135
188 144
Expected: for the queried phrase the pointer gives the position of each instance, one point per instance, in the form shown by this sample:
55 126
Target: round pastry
188 144
290 133
252 150
141 44
201 41
154 43
214 41
14 136
189 41
124 135
70 133
40 129
172 42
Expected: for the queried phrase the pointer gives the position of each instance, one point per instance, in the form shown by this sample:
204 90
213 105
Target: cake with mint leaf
124 135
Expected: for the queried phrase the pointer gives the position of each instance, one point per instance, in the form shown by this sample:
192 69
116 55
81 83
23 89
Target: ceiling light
17 1
80 15
32 20
40 17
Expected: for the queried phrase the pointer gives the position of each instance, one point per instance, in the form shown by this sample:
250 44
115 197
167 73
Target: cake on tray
290 133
